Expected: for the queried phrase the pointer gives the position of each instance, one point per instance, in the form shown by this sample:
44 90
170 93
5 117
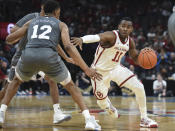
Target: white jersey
108 58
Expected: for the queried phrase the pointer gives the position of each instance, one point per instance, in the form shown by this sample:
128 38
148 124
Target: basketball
147 58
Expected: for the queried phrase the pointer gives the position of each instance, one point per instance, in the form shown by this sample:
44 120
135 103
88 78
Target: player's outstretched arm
64 55
73 52
105 38
17 35
133 52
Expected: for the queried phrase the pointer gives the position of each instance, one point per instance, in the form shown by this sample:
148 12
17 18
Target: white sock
56 108
137 87
3 107
86 114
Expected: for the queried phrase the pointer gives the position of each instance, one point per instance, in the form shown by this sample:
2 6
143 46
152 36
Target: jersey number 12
44 35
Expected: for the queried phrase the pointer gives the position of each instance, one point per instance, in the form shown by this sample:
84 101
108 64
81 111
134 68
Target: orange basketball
147 58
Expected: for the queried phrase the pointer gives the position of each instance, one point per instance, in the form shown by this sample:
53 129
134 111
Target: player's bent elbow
9 40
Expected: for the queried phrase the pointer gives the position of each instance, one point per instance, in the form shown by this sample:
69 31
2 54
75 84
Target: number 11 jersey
107 59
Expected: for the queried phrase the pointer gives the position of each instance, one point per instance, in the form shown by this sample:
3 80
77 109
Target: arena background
93 16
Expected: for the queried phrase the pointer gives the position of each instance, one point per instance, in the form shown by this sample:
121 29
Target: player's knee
139 88
103 104
67 81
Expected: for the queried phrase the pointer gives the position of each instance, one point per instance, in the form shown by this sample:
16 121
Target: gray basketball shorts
34 60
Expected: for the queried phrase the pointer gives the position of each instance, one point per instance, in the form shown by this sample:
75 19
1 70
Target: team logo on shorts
99 94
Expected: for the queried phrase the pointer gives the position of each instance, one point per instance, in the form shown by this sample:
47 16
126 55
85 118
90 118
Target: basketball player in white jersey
113 46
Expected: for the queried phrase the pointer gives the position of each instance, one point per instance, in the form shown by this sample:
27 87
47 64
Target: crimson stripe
97 49
129 42
95 93
115 36
99 56
126 80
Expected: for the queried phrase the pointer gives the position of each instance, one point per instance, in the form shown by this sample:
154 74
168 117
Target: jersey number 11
117 56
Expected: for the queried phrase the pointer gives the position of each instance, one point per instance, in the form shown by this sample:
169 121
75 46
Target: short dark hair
125 18
43 2
50 6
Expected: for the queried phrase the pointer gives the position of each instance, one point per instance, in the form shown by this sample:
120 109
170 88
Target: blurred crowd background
94 16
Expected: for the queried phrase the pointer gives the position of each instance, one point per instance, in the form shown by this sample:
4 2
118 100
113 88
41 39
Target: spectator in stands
159 86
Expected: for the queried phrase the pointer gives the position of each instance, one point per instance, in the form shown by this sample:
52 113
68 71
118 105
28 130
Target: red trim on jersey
115 37
99 56
97 49
120 39
95 92
126 80
129 42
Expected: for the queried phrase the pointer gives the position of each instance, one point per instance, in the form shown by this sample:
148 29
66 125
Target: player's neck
123 39
49 15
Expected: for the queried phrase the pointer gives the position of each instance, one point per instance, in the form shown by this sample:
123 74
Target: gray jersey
43 32
22 43
20 23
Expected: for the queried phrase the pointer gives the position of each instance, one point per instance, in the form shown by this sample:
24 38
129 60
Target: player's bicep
133 51
65 34
107 36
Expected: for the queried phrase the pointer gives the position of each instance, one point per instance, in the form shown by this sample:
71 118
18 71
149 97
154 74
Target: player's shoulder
32 15
109 34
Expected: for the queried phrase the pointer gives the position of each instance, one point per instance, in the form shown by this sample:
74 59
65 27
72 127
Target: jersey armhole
129 42
115 33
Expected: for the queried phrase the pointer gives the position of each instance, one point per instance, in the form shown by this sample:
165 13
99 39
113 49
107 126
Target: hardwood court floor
34 113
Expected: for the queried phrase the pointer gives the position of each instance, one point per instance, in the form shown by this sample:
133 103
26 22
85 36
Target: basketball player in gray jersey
58 116
40 55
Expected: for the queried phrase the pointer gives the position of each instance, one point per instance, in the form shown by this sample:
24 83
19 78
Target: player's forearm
74 54
90 38
61 52
17 35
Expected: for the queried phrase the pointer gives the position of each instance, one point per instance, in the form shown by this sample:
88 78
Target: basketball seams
153 55
149 59
142 59
154 59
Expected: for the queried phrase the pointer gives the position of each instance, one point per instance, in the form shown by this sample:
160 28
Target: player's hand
93 74
147 49
70 60
77 42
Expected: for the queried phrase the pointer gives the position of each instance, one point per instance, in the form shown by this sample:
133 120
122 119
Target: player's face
125 28
57 13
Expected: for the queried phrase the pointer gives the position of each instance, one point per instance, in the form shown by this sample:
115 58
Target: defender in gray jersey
21 43
41 54
58 116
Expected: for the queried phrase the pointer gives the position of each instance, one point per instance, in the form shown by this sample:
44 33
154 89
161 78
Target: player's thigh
24 71
57 71
100 88
121 75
